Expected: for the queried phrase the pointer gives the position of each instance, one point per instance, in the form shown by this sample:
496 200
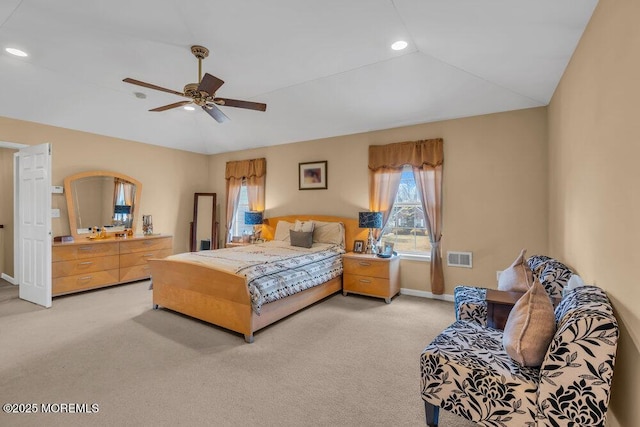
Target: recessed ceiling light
16 52
399 45
189 108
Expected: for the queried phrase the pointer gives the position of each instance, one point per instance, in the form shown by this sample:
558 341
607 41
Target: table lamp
254 218
370 220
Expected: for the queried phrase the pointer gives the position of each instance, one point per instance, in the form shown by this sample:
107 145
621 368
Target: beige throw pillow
517 277
530 327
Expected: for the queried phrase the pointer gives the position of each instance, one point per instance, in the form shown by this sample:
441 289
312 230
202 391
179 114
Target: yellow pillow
530 327
517 277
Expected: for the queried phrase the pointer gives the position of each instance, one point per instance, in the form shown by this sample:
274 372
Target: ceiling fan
202 93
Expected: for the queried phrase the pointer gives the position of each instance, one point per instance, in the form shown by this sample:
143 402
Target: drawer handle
86 278
148 255
365 281
147 242
85 248
366 264
86 263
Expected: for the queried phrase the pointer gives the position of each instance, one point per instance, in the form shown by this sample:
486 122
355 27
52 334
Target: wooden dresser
91 264
371 275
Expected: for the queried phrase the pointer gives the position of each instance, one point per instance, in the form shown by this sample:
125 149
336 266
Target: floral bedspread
274 269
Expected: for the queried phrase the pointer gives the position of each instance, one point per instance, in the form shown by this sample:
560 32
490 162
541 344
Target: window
239 227
406 226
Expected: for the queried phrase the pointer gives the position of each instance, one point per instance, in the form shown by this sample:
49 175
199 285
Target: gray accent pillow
303 239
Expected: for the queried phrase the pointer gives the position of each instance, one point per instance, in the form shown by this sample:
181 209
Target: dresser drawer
366 267
366 285
136 272
84 265
151 244
140 258
80 282
90 250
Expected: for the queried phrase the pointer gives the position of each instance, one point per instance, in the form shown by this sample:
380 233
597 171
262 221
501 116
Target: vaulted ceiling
324 68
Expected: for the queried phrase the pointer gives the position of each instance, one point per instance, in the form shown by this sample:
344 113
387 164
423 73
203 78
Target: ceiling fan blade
150 86
215 112
241 104
170 106
210 84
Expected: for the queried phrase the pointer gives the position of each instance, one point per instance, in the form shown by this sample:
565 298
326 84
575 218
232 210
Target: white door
32 207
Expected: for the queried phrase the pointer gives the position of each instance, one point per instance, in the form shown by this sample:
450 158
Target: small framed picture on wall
358 246
312 176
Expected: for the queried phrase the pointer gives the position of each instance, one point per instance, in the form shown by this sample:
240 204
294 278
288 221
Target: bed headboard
351 230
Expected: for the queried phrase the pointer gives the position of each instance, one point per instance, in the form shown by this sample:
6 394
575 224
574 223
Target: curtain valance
415 153
246 169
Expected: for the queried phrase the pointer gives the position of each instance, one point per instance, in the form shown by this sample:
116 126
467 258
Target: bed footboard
222 298
211 295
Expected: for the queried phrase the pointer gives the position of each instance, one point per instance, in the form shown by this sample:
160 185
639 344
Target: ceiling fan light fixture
16 52
202 93
189 108
399 45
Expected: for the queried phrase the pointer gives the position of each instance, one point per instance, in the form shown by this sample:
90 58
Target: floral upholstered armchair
470 301
466 370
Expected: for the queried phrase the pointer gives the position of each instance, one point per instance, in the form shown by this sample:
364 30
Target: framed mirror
204 228
102 199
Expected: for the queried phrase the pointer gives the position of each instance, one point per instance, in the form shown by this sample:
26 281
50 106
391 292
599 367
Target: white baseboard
425 294
9 278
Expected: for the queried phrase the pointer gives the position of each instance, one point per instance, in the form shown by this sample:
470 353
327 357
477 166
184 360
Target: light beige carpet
346 361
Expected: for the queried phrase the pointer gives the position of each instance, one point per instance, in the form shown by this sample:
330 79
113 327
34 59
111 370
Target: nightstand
370 275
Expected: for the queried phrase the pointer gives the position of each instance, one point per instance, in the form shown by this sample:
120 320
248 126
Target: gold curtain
426 158
253 172
415 153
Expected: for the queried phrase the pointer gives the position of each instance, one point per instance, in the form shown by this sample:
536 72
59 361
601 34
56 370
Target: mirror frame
71 208
193 243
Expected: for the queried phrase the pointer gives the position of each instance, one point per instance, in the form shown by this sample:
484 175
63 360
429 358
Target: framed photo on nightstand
358 246
387 249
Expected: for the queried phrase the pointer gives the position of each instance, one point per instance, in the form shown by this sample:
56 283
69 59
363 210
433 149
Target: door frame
13 146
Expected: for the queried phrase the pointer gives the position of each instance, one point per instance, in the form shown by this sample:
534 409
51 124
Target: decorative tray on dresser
91 264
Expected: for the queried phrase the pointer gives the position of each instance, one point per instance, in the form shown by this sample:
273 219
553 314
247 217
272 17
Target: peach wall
169 177
594 140
495 187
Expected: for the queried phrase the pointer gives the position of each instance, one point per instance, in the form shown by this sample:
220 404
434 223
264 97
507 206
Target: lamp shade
122 209
370 219
253 217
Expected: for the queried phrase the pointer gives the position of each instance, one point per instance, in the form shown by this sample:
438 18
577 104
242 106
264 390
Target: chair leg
431 413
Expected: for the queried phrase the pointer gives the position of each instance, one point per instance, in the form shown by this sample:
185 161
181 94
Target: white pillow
329 232
282 231
575 281
305 226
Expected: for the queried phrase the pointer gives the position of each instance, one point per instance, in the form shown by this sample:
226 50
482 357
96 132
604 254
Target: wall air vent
460 259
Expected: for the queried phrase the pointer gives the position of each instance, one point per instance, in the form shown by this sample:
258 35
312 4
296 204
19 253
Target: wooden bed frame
223 299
